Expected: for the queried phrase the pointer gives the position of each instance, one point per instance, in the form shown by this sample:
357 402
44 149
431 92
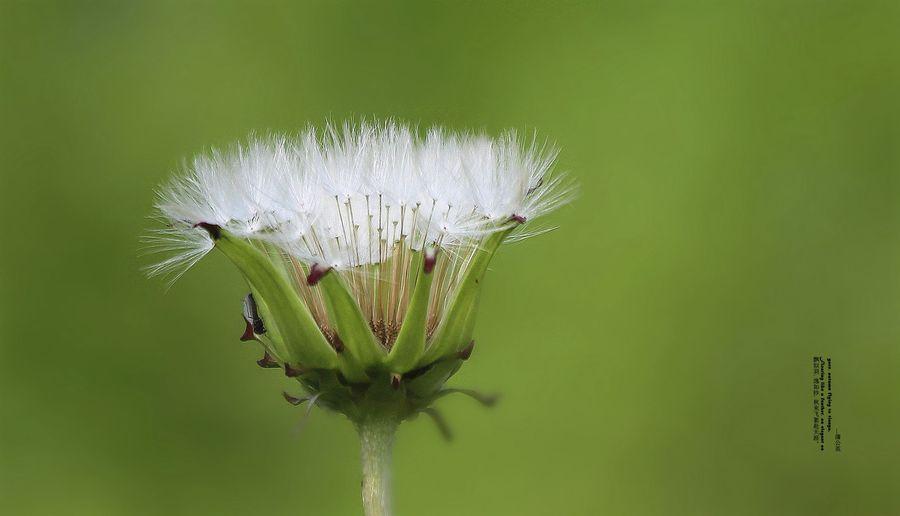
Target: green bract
345 367
303 343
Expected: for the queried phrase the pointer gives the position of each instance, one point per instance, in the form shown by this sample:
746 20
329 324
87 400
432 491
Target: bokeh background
739 214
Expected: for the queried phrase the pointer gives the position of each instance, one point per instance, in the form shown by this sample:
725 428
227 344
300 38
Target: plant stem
376 437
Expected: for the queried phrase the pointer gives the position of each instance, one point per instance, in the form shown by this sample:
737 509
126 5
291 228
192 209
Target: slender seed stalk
376 438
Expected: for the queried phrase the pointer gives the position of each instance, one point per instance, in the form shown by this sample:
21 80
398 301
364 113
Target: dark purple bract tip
316 273
267 362
430 260
466 352
248 332
293 400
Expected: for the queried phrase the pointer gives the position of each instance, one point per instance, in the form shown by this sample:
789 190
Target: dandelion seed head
361 198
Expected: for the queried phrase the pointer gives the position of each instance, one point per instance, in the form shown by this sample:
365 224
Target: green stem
376 438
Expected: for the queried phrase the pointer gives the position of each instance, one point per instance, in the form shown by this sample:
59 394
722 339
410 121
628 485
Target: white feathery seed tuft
361 199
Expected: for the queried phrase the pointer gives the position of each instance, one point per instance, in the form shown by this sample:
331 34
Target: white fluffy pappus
361 199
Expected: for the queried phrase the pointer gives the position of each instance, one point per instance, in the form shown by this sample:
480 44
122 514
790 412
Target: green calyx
347 368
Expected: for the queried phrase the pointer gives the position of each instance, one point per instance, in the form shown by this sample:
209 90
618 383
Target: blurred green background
739 213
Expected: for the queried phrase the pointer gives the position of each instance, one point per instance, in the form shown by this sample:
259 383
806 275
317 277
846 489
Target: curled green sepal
303 341
410 343
455 330
349 323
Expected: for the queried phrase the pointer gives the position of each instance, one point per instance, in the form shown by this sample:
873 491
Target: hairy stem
376 438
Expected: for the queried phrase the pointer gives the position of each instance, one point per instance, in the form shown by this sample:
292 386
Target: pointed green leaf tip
410 343
302 339
349 324
455 330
